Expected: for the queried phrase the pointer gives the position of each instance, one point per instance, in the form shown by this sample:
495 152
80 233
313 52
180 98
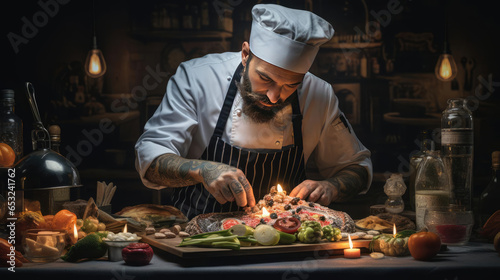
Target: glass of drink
453 224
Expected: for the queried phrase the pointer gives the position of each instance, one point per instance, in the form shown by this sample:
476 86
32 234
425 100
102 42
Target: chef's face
266 88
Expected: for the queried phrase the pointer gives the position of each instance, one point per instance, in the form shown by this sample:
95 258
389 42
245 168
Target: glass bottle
457 137
489 200
425 144
431 186
11 126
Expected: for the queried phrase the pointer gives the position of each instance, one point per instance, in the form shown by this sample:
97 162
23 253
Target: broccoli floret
309 232
331 233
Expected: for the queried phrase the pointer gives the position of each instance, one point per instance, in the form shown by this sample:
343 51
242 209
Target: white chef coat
185 121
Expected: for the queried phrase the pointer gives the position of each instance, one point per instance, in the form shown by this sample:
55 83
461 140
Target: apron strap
296 120
228 102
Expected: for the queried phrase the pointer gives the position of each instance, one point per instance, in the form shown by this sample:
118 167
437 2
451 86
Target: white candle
352 253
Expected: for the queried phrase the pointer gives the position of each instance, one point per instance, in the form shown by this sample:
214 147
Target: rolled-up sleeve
170 128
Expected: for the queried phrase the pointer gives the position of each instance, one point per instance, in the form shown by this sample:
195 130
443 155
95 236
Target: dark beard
251 103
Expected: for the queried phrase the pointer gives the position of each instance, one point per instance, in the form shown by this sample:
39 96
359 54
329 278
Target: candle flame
394 230
350 241
75 231
280 189
125 228
265 213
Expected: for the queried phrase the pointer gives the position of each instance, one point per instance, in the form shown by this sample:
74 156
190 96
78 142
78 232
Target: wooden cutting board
170 246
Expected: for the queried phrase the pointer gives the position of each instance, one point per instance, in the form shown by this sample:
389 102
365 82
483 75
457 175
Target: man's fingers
238 192
299 191
219 197
227 193
316 195
250 198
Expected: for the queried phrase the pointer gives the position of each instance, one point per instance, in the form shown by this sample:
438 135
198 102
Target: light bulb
446 68
95 65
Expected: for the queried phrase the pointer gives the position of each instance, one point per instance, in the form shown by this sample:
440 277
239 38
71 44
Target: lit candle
352 253
394 231
125 228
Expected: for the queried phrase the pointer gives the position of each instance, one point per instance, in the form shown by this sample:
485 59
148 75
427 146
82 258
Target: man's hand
322 192
346 184
224 182
227 183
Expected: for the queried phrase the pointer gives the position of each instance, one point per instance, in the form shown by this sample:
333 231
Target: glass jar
457 137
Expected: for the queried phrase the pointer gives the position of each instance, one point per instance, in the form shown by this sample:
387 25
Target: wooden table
474 261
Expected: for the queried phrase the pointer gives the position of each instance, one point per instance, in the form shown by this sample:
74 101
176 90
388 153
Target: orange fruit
7 155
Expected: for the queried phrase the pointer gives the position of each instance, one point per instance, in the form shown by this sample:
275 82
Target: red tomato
229 222
287 224
424 246
137 254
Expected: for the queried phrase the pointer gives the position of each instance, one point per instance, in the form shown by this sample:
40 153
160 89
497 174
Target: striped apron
262 170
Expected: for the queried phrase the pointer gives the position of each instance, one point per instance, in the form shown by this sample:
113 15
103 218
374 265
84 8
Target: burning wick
394 231
125 228
280 189
352 253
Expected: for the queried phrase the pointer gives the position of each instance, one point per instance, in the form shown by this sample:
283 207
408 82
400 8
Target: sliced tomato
287 224
229 222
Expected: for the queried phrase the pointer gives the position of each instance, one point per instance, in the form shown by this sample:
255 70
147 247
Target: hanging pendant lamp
95 65
446 68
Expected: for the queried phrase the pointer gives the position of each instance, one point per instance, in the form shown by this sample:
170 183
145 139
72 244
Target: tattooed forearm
174 171
349 181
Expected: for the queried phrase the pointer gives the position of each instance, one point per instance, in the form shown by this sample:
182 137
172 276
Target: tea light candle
352 253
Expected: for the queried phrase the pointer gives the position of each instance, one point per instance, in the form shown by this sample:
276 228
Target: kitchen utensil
463 61
469 67
43 169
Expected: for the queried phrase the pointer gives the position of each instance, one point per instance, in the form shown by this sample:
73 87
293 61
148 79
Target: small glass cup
44 245
451 223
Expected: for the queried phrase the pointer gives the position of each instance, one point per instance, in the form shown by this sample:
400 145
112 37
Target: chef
232 125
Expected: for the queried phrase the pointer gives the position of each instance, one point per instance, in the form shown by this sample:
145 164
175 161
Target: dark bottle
11 126
489 201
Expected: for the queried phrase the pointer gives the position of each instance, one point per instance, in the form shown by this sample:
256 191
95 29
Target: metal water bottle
457 139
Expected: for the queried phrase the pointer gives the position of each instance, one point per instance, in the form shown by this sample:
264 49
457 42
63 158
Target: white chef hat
287 38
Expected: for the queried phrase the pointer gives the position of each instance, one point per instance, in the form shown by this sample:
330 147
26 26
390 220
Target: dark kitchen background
380 62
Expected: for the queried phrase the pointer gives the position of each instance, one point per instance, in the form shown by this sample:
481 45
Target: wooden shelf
429 120
149 34
349 46
116 118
